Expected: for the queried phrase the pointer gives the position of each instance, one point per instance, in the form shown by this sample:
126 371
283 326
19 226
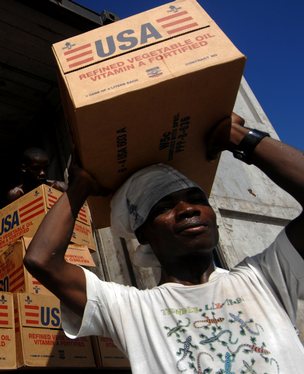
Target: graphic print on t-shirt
222 341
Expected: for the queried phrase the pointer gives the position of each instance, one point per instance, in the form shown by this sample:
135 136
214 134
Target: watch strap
243 151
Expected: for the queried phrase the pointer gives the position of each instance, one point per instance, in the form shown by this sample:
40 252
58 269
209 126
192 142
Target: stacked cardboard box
31 334
42 339
10 350
23 217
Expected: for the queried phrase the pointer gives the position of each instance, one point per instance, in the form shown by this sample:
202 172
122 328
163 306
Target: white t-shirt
241 321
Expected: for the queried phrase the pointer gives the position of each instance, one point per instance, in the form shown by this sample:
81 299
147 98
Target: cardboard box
107 355
9 355
79 255
15 278
43 342
147 89
24 215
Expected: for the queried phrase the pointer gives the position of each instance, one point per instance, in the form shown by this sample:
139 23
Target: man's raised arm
44 258
280 162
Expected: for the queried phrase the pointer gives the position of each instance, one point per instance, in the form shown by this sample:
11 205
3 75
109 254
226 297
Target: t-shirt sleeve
101 315
283 268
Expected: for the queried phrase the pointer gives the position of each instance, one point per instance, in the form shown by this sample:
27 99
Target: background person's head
34 167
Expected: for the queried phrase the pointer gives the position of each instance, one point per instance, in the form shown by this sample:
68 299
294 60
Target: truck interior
30 105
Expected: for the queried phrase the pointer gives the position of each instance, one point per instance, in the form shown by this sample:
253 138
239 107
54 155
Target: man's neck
188 271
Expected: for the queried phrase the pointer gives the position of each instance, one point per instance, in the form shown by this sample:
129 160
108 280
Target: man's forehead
183 193
38 161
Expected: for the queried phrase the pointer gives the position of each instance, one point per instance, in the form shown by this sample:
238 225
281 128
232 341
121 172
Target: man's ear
141 236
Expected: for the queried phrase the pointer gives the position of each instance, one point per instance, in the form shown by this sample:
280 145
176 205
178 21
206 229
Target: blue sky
270 33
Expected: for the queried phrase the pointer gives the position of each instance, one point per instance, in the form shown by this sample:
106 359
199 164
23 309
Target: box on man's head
147 89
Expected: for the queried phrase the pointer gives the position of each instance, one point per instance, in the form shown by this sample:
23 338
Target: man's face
36 169
180 224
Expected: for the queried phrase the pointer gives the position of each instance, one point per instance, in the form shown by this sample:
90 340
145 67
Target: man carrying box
201 318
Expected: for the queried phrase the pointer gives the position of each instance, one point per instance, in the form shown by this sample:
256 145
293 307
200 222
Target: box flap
140 30
79 256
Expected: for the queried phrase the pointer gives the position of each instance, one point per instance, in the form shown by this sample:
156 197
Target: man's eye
160 210
199 200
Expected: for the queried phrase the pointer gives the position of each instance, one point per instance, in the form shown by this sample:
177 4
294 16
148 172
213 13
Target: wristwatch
244 150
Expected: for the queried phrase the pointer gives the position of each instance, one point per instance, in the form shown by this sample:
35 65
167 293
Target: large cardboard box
15 278
147 89
23 216
43 342
10 357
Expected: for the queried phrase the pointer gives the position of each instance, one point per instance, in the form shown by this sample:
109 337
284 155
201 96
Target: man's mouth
193 227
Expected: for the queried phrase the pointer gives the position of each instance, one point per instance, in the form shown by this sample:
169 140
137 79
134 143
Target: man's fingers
237 119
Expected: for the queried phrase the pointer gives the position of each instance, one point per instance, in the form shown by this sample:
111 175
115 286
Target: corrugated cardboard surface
23 217
43 341
150 89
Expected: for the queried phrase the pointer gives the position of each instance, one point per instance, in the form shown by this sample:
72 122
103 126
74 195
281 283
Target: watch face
240 155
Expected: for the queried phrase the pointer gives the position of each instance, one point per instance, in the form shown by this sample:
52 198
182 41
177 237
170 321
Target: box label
131 33
142 67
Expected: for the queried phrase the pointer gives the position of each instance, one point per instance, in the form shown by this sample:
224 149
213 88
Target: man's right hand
79 175
225 135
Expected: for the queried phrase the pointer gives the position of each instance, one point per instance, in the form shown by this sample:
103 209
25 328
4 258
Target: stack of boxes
30 320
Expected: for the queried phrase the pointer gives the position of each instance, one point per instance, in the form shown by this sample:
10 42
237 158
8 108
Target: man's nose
42 173
185 210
